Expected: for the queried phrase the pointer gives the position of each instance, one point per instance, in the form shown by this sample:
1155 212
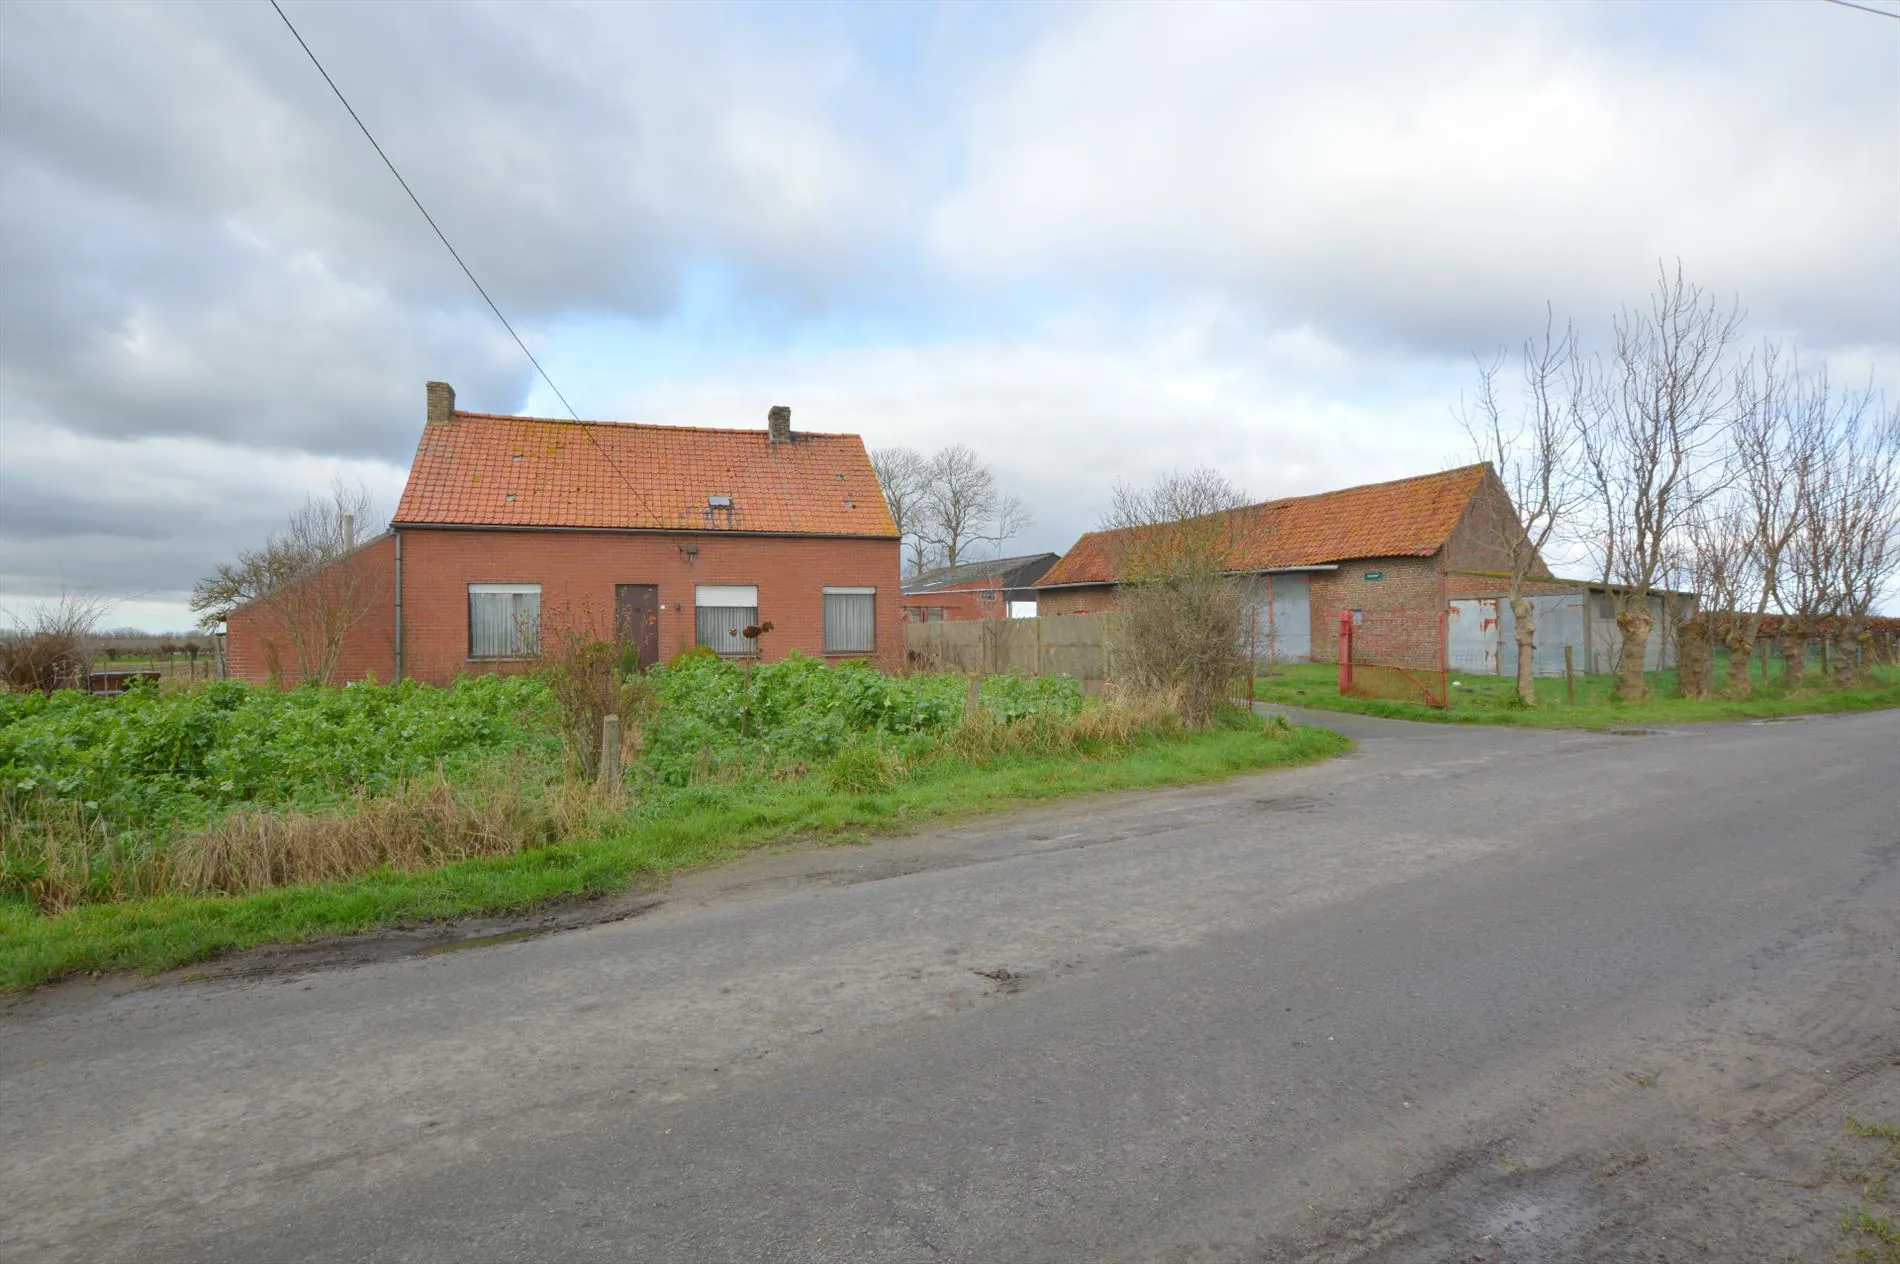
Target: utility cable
586 429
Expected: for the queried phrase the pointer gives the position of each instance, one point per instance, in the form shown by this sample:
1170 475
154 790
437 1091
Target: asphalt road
1467 994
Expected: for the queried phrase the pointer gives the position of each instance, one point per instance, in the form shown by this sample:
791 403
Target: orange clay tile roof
1411 517
482 469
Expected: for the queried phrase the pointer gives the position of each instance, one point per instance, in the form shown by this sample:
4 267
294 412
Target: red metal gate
1396 654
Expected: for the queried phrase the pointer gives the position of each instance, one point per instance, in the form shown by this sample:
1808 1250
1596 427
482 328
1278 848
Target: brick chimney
441 401
778 424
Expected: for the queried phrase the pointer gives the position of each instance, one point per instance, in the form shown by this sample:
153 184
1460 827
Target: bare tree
1177 621
305 579
1714 558
1533 451
904 476
1774 453
962 507
1857 511
1802 585
51 645
1651 440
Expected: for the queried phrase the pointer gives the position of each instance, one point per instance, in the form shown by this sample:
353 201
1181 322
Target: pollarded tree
1533 450
1652 437
1857 509
1774 453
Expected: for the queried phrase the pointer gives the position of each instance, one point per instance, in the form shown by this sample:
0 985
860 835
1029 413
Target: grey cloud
145 518
1433 177
202 243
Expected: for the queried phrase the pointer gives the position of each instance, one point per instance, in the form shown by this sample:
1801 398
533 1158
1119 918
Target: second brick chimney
778 424
441 401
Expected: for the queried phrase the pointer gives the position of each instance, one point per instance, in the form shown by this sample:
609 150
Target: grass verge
699 824
1871 1231
1492 700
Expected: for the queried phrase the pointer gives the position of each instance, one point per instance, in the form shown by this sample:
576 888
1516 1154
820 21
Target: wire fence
1396 654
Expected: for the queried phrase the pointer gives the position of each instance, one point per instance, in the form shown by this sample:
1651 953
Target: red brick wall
1477 546
577 571
1408 583
956 605
258 648
1092 600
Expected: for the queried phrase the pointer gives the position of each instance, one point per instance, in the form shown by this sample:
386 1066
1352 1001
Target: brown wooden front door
637 619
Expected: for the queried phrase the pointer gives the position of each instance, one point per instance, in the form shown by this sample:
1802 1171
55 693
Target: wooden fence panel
1064 645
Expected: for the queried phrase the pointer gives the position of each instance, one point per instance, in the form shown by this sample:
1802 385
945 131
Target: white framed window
504 620
850 620
721 612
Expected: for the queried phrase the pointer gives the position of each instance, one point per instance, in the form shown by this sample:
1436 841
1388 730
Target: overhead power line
456 255
1865 8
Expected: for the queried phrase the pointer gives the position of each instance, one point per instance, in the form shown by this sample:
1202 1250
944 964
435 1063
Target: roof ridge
982 567
1365 487
464 414
1303 496
1402 517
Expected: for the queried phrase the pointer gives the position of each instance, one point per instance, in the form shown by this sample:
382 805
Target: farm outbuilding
999 588
1481 634
1423 546
1406 545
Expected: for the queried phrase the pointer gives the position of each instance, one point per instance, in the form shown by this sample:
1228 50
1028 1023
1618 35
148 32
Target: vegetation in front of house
156 829
1494 700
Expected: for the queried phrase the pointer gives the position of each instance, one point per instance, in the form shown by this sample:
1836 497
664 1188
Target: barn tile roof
1409 517
484 469
1010 572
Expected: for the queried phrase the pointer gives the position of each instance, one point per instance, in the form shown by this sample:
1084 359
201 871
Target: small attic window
718 502
515 457
511 495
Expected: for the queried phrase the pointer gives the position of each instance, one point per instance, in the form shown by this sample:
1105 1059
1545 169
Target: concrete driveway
1467 994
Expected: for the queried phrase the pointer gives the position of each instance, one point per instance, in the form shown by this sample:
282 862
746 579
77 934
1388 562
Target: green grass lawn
1493 699
699 824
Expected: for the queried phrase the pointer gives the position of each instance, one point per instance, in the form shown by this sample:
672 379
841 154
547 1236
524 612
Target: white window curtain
721 612
504 620
850 620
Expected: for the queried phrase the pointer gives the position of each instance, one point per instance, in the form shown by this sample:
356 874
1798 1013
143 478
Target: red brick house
1411 544
515 530
975 590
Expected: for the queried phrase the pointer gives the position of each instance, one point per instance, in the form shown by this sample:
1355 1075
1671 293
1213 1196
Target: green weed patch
155 829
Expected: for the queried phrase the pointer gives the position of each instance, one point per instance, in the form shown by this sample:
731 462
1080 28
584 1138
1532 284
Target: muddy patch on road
343 952
1763 1132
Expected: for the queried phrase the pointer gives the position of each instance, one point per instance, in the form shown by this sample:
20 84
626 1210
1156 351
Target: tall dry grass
1109 722
62 857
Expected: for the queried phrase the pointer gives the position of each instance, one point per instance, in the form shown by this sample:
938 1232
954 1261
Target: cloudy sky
1095 243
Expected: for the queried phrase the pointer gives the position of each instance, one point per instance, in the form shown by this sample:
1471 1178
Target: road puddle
483 941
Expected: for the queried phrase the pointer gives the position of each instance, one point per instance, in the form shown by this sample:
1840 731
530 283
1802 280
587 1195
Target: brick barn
1414 544
513 531
996 589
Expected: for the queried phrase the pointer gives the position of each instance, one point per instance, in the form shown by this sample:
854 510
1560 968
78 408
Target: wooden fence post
1570 680
975 699
610 753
